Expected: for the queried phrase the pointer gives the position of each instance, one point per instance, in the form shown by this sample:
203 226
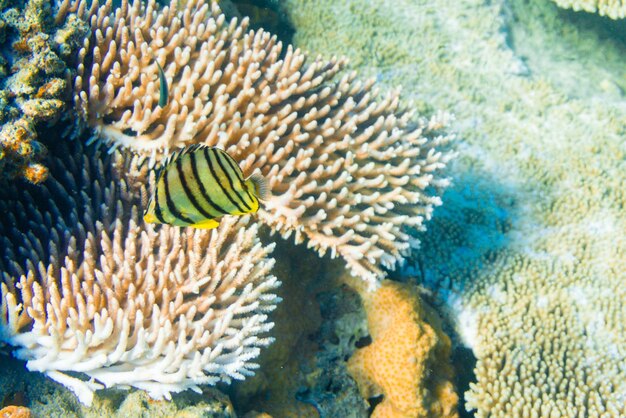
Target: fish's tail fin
261 187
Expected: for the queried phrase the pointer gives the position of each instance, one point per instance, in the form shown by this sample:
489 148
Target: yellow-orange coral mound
407 361
15 412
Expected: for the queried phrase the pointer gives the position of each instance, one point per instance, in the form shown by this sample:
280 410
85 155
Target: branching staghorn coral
88 288
349 171
615 9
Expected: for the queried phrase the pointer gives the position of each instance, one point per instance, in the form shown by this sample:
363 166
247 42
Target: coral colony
126 303
347 170
163 308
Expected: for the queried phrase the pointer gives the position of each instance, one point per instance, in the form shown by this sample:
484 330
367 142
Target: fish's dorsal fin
183 151
261 188
228 156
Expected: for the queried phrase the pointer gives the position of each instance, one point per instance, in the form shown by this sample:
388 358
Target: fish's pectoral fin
206 224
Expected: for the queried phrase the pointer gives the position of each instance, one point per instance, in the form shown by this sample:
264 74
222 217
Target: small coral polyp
349 171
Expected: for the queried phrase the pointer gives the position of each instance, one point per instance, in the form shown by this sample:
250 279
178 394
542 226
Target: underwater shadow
465 235
317 327
269 15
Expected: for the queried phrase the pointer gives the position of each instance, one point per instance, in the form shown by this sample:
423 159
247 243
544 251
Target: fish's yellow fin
206 224
150 218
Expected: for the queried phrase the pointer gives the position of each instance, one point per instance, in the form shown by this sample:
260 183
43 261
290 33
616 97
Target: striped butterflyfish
200 184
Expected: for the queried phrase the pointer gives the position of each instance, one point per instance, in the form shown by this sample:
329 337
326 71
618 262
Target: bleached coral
554 302
88 288
349 171
615 9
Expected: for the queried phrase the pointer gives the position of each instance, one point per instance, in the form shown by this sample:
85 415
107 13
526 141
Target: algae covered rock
39 41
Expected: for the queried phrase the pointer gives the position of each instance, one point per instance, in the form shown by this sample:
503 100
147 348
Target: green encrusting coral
527 252
38 43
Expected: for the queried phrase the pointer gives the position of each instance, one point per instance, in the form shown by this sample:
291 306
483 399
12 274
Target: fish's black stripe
239 174
157 206
234 166
230 181
218 158
157 210
170 203
205 195
188 192
217 179
245 188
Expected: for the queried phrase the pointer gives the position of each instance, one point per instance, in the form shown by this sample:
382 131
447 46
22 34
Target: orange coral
408 359
19 151
15 412
35 173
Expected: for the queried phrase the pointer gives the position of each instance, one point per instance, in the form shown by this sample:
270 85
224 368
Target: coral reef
408 359
91 296
350 172
615 9
88 288
527 253
38 43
